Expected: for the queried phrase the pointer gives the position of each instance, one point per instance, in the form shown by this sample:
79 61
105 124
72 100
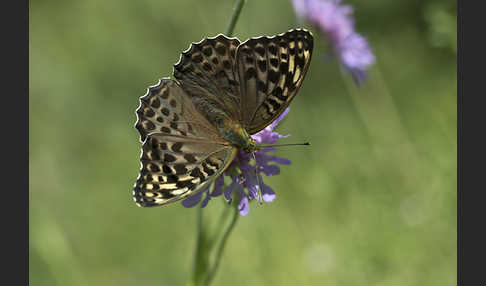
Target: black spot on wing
176 147
273 76
190 158
278 93
207 50
182 184
262 65
197 58
165 129
180 169
166 169
272 49
261 86
207 170
274 62
165 111
171 179
250 73
153 168
167 195
260 50
155 103
169 158
196 173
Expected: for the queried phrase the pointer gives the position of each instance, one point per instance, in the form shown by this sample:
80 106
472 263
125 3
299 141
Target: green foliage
371 202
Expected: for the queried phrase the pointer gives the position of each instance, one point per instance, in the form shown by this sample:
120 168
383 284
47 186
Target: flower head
246 177
335 21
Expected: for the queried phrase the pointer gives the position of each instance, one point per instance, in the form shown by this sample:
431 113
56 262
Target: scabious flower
246 177
335 21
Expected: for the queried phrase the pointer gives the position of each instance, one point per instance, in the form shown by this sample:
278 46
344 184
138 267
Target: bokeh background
371 202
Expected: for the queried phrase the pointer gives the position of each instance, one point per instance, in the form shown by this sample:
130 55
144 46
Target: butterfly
192 127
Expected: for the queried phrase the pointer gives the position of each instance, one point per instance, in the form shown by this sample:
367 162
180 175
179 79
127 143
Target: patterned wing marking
181 153
165 108
271 70
206 72
174 168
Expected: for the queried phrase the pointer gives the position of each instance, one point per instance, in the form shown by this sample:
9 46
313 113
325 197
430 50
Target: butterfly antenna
283 145
260 185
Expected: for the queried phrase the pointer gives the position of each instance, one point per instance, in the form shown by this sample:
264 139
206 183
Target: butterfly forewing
206 72
271 70
181 151
165 109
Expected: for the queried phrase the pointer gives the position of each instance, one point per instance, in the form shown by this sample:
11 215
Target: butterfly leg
260 183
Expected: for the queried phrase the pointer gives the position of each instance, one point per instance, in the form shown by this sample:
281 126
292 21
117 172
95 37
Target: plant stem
201 254
234 17
224 239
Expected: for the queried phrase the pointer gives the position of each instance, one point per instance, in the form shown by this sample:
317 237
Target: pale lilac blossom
245 181
334 20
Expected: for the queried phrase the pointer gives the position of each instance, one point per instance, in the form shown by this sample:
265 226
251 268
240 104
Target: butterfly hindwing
181 153
271 70
174 168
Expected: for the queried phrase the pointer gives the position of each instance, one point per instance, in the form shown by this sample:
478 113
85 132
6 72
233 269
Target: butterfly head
251 146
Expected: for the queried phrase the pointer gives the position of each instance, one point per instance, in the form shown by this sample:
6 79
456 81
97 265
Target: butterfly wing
182 152
271 71
206 73
252 83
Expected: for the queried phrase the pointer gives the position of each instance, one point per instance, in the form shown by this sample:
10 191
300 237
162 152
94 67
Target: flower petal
244 204
271 170
206 199
251 183
268 194
266 150
299 7
355 54
193 200
229 190
218 186
278 160
336 22
276 121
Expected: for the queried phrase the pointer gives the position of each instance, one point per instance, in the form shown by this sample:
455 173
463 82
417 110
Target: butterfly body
224 91
236 134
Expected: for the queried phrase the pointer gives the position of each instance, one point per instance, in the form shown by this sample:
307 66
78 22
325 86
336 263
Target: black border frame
471 142
15 117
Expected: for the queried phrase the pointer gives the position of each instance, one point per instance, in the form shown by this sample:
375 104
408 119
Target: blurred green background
371 202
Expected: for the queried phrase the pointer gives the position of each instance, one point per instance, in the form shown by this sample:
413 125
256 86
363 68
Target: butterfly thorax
229 128
236 134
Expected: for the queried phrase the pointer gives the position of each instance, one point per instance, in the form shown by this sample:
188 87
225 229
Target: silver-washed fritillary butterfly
224 91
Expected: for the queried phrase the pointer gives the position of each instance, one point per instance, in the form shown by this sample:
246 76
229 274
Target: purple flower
335 21
246 177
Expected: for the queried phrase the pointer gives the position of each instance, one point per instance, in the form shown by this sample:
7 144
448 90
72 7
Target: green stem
199 234
224 239
201 255
234 17
224 214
